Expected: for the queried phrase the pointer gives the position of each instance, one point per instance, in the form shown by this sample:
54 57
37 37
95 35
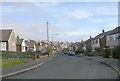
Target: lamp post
53 36
47 38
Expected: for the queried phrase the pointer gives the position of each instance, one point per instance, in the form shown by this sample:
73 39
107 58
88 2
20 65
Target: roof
19 41
5 34
116 30
30 43
101 35
87 41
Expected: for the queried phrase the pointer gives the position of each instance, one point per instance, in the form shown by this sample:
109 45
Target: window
13 45
22 47
3 46
107 38
111 37
117 36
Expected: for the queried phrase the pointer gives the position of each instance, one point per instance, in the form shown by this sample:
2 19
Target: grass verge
10 63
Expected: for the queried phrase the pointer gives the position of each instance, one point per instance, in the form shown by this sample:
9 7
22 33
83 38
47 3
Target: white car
71 53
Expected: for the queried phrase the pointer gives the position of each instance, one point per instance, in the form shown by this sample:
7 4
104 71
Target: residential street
69 67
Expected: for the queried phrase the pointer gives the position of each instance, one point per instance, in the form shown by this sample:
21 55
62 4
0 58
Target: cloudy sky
72 21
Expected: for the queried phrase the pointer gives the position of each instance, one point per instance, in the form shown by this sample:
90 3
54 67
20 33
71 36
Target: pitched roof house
99 40
30 45
113 37
20 45
87 44
7 40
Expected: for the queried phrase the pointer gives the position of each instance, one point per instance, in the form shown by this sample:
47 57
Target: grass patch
9 63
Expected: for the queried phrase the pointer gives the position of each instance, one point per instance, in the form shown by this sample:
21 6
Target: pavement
113 63
37 63
32 64
69 67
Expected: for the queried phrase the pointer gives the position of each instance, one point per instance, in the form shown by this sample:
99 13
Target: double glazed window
113 37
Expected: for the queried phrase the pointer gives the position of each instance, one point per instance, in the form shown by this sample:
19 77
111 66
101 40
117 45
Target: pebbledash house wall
12 42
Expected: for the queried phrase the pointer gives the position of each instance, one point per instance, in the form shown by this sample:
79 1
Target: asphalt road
69 67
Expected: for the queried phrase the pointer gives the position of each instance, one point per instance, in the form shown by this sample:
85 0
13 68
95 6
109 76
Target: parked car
71 53
42 52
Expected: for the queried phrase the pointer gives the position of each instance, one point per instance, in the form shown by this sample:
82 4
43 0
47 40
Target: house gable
12 42
23 46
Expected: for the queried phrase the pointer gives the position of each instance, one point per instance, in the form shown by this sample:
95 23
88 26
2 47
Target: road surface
69 67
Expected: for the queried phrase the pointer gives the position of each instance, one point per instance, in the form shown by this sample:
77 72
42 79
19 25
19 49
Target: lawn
9 63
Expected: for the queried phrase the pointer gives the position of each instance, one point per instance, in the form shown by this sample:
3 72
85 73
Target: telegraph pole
47 38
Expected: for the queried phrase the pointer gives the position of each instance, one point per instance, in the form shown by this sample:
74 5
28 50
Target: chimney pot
103 31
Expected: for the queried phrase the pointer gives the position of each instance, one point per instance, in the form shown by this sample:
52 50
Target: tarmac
32 64
113 63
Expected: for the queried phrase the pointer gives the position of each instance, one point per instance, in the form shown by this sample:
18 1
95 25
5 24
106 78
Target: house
20 45
30 45
7 41
99 41
78 46
113 38
87 44
84 46
64 45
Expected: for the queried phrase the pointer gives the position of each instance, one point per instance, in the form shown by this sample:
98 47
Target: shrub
15 55
107 53
87 51
116 52
79 51
98 49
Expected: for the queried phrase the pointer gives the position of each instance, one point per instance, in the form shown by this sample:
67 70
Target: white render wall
94 45
23 46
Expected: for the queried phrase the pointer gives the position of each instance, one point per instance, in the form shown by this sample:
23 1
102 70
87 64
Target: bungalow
113 38
87 44
78 46
100 40
7 41
20 45
30 45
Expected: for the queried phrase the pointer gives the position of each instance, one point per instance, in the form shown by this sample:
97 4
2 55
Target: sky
71 21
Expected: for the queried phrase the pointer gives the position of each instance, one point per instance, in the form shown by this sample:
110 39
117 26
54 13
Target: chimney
17 37
103 31
90 37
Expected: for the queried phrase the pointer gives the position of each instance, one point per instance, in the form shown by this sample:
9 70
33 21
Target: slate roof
116 30
5 34
19 41
101 35
30 43
87 41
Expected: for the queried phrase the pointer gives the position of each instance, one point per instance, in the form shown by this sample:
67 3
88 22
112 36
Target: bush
98 49
116 52
87 51
79 51
16 55
107 53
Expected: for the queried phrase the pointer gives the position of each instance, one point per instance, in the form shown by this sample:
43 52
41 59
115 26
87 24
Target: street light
47 38
53 36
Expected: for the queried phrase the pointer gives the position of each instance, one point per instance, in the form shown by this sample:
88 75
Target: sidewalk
111 61
25 67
